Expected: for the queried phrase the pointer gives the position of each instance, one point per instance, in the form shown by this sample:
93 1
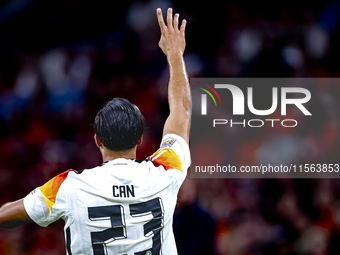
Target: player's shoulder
51 188
167 158
172 153
57 180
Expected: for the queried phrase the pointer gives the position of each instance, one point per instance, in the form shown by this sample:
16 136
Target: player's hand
172 40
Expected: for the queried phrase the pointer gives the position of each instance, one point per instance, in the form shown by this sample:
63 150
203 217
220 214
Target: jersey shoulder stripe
50 189
167 158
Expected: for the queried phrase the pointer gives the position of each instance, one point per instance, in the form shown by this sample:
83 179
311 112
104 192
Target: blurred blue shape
329 17
14 8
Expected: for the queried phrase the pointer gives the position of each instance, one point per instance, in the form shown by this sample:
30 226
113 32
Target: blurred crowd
49 98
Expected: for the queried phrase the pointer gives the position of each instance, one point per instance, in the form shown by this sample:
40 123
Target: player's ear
97 141
140 141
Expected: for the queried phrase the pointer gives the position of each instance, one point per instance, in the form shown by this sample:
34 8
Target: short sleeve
47 203
173 154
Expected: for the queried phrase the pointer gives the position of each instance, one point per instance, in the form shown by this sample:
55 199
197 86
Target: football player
123 206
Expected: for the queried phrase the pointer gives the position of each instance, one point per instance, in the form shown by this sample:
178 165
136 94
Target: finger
169 19
184 23
176 21
160 19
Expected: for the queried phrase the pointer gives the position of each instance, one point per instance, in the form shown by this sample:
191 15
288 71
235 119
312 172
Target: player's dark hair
119 124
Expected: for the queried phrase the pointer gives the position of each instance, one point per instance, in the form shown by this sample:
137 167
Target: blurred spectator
194 228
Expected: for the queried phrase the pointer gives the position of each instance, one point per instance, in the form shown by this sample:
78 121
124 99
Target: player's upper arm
178 122
47 203
173 153
13 215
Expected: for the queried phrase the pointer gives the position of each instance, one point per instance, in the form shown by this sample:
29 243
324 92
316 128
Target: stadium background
61 60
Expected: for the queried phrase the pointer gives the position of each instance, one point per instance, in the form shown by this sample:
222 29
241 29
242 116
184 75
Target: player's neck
112 155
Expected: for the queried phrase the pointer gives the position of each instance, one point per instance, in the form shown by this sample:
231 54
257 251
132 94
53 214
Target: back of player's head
119 124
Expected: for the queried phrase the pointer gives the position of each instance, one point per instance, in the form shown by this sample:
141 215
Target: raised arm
172 43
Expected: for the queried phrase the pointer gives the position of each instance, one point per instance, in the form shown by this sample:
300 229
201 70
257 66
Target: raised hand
172 43
172 40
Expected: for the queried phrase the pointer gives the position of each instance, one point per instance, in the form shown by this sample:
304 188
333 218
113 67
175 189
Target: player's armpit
13 215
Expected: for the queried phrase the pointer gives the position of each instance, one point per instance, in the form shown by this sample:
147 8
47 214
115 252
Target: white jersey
122 207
